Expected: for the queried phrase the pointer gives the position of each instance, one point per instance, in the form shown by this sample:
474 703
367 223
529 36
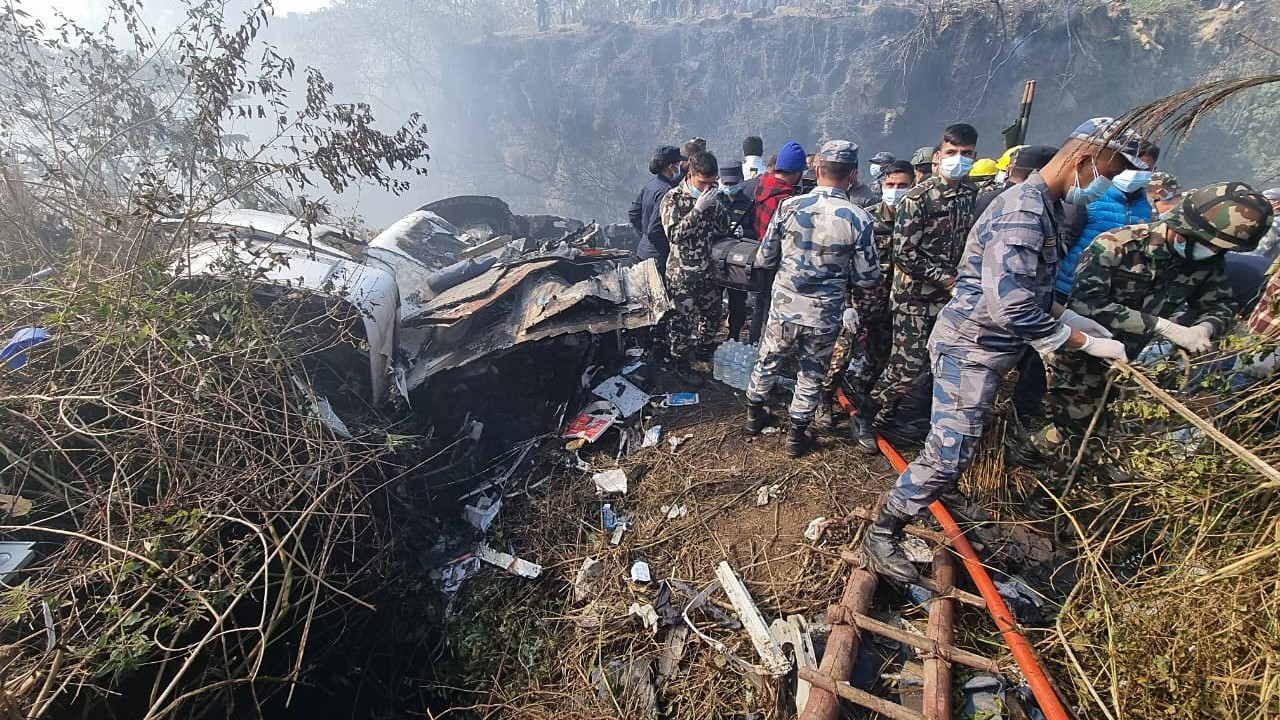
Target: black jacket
739 207
646 219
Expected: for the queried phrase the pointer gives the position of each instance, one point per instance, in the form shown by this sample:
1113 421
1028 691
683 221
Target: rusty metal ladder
849 618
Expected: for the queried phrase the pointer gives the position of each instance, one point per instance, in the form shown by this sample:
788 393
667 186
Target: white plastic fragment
482 514
648 616
674 512
775 661
765 493
584 585
508 562
652 436
625 396
814 530
640 572
676 442
611 481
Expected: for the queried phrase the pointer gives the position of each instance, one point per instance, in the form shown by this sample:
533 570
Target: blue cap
791 158
841 151
1106 132
668 155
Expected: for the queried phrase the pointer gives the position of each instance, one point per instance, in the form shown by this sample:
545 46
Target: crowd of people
917 288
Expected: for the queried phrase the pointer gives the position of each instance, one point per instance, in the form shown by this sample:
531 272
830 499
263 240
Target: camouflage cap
1227 216
1164 181
1106 132
883 158
841 151
924 155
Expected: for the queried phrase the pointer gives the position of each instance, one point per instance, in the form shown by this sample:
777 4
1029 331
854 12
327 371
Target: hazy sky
94 10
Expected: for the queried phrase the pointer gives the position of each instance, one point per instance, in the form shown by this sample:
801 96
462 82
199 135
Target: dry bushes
199 531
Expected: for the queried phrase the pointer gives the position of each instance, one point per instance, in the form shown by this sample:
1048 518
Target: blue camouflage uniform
1003 302
822 247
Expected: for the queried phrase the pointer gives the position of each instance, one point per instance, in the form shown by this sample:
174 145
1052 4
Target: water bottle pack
732 363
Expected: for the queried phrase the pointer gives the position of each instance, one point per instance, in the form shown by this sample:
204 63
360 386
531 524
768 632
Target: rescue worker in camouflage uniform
1003 303
869 346
822 247
693 217
928 235
1135 278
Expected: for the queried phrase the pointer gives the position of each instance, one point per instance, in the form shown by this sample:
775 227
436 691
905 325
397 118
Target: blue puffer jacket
1113 210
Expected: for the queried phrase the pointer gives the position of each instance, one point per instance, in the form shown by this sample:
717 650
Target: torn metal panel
530 302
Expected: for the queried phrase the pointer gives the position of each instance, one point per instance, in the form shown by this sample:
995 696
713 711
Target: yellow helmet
1007 158
986 167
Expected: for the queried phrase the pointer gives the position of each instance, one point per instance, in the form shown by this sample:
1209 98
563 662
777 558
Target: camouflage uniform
690 282
874 337
822 246
1125 280
982 332
928 236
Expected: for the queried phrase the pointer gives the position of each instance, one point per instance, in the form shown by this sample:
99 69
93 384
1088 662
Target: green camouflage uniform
874 335
690 282
928 238
1126 280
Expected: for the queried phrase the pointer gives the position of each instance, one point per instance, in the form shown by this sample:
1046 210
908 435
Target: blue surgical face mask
731 190
695 192
1130 180
1077 195
891 196
955 167
876 171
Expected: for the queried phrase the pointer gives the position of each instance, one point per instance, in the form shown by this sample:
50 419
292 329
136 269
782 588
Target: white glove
738 232
850 320
1194 339
1104 348
1088 326
706 199
1261 367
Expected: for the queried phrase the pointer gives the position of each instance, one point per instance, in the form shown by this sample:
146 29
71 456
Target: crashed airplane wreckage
448 284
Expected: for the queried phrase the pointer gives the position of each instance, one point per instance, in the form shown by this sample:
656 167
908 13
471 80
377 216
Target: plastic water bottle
607 517
717 361
734 367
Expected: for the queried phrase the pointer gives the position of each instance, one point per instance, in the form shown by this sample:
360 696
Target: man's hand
1088 326
1104 348
1194 339
705 200
850 319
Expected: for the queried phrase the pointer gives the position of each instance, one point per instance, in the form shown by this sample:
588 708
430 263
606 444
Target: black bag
733 262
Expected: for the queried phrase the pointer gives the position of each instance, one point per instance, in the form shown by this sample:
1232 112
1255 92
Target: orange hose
1022 654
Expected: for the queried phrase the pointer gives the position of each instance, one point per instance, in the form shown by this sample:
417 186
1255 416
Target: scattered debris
676 442
765 493
624 395
628 369
14 506
482 514
652 437
616 537
14 556
813 532
917 550
14 352
794 631
585 585
508 562
771 430
775 662
672 653
647 615
680 399
594 420
611 481
640 572
674 512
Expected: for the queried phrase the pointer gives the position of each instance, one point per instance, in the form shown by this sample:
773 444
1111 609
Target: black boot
758 418
860 426
883 546
823 417
964 510
798 441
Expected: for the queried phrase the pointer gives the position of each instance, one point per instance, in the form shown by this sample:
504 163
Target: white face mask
891 196
954 167
876 171
1001 177
1199 251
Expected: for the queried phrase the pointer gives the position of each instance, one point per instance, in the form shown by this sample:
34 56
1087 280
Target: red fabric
769 195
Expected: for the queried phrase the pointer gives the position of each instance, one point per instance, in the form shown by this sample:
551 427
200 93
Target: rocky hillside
563 121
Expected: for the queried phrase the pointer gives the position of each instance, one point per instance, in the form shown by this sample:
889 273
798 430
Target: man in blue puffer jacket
1125 203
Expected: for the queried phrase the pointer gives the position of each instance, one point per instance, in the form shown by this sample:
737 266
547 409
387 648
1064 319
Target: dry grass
715 474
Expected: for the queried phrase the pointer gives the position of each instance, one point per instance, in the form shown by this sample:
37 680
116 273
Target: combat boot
823 417
758 417
964 510
798 441
883 546
861 427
